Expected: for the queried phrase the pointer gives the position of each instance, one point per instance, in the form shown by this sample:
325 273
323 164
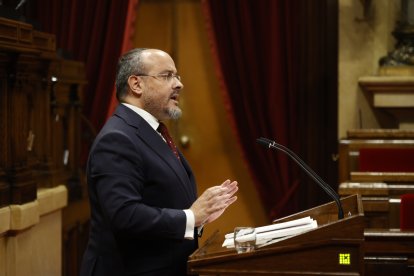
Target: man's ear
135 85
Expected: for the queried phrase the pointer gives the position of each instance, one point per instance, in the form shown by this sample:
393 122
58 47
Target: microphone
328 189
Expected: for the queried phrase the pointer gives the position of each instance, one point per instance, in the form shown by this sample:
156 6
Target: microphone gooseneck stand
328 189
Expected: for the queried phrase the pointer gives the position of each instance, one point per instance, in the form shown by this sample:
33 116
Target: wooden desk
333 248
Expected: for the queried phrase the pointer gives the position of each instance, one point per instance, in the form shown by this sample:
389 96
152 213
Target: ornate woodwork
40 113
40 119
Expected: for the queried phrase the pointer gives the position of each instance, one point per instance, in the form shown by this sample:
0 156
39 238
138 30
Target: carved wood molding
15 35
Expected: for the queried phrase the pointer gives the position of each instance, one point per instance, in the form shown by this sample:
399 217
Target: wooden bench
393 150
389 252
378 164
381 201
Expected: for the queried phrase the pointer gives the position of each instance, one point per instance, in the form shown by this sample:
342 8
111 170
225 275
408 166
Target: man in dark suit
145 213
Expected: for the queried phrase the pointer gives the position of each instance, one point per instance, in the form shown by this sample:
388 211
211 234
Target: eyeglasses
165 77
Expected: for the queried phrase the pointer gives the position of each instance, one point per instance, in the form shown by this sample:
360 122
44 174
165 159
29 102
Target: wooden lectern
335 247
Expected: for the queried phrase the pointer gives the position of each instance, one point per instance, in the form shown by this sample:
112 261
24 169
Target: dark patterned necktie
164 132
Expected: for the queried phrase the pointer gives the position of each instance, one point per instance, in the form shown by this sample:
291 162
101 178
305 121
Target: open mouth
174 97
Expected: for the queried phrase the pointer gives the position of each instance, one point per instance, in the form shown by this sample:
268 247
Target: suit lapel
189 171
153 140
150 137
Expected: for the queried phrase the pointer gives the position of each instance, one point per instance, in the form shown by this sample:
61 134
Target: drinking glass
244 239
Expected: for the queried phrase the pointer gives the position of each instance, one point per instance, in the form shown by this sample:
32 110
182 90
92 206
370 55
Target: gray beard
174 113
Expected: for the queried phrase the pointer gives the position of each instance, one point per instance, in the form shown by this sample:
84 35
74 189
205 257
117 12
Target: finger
224 206
221 198
226 187
231 200
224 203
212 192
226 196
217 205
227 202
230 185
232 191
225 183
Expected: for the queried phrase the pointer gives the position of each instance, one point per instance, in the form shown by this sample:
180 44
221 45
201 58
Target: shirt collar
151 120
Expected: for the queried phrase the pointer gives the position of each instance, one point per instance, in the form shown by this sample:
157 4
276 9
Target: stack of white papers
272 233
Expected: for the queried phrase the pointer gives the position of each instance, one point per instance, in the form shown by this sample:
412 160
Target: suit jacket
138 190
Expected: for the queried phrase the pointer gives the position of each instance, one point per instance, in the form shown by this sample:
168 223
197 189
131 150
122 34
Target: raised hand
213 202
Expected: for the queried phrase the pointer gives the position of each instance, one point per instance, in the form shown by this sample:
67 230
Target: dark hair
129 64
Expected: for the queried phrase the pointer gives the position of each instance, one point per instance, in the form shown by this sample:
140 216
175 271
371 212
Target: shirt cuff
189 229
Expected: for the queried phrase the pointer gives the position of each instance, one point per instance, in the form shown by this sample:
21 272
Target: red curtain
126 45
264 53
